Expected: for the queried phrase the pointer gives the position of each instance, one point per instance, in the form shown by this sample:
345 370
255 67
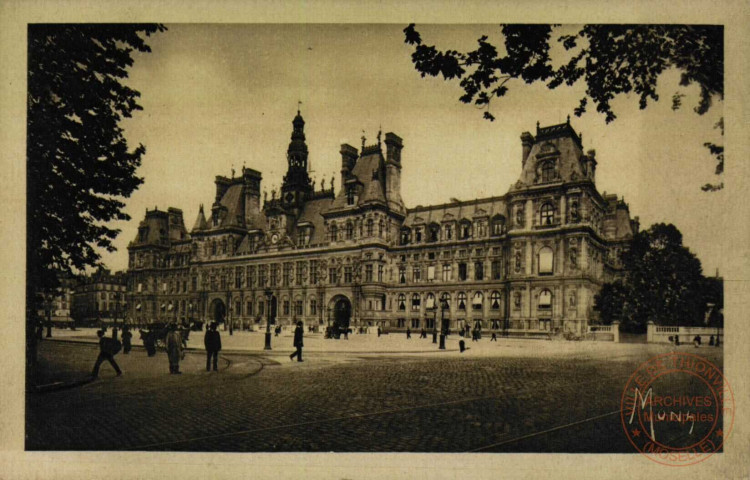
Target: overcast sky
222 96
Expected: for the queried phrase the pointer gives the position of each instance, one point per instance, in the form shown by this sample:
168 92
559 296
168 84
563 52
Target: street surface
365 394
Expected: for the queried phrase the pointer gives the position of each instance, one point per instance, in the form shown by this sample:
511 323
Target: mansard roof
456 211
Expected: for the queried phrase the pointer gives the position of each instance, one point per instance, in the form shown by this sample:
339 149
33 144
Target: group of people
174 340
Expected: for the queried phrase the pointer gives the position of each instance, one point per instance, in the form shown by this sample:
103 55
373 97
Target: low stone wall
662 334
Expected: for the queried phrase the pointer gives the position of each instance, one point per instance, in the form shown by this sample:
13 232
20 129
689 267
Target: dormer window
449 232
434 233
418 234
548 171
465 230
405 236
350 195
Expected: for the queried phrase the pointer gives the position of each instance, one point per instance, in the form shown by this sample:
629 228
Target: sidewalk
394 343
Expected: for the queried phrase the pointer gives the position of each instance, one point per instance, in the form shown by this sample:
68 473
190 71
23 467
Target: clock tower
297 186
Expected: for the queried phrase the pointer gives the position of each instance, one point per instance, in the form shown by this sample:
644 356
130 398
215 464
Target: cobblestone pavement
336 402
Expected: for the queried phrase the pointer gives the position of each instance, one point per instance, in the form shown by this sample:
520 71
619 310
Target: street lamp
434 326
269 296
443 327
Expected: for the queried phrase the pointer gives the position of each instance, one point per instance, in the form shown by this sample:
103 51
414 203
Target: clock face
289 197
274 238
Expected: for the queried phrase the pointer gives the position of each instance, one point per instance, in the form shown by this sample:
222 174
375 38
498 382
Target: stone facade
525 262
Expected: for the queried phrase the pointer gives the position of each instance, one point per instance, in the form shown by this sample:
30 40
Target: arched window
405 236
370 227
495 300
430 301
546 261
416 302
477 300
545 299
349 231
546 214
461 299
401 302
334 232
548 171
445 300
433 233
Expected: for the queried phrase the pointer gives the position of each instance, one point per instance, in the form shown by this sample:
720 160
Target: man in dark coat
108 348
408 332
298 333
174 349
212 342
126 336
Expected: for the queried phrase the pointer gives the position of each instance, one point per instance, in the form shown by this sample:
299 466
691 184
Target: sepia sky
222 96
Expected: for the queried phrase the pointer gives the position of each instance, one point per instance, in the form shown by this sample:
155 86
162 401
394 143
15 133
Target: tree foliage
79 164
663 282
610 60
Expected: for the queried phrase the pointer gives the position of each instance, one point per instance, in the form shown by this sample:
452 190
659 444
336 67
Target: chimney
251 179
222 185
348 159
394 145
527 140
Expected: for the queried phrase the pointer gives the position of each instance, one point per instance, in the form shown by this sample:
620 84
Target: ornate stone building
527 261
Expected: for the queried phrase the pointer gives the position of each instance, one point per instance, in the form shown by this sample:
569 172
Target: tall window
313 272
370 227
416 273
498 225
478 271
548 171
429 301
545 299
381 228
368 272
402 274
380 273
445 300
431 272
401 302
547 214
332 277
405 236
462 271
495 300
350 196
274 274
263 275
477 300
349 231
465 230
347 274
496 269
298 308
313 306
448 232
287 273
298 272
416 302
286 306
546 258
446 272
249 308
261 308
434 233
418 234
481 229
334 232
461 299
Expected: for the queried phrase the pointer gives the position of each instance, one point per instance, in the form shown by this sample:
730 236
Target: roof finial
299 102
363 139
233 170
332 177
380 132
568 119
537 126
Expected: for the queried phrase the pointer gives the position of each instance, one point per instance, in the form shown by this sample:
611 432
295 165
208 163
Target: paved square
505 396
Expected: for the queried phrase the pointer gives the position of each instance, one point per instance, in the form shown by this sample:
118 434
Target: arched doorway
217 311
342 313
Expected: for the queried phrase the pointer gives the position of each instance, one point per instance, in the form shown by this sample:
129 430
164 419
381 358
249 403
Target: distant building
100 297
57 306
528 261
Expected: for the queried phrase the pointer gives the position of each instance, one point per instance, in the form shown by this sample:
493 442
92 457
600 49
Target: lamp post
434 326
269 296
443 329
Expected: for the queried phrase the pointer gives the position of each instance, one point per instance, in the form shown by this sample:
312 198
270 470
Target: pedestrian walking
149 341
408 332
697 341
212 342
126 338
378 330
298 333
711 341
423 334
494 337
174 349
108 348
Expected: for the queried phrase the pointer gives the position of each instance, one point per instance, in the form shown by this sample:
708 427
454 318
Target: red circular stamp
677 409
